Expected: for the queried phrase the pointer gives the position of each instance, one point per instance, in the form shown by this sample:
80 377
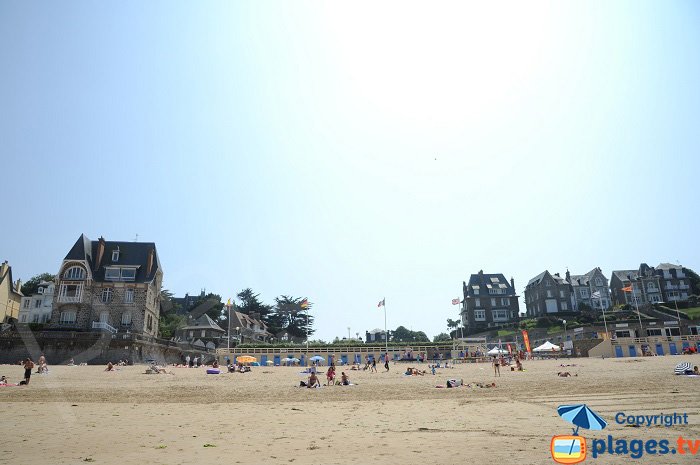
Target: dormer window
40 290
115 255
74 273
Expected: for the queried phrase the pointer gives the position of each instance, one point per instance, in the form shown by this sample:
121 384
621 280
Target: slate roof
130 254
204 322
667 266
486 281
538 279
624 275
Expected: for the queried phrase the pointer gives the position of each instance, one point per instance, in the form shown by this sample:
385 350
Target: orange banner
526 338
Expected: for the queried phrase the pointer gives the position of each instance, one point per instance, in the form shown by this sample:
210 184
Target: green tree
250 303
289 316
442 337
402 334
692 277
169 323
31 286
452 324
216 311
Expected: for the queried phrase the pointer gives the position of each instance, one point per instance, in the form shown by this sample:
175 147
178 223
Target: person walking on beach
386 362
496 367
374 365
28 365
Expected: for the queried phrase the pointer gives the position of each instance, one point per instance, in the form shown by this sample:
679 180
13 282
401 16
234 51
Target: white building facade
37 308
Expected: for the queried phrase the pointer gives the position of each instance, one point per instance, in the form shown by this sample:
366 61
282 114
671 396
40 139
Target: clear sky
352 151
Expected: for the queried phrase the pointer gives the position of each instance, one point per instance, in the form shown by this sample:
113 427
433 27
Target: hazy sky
352 151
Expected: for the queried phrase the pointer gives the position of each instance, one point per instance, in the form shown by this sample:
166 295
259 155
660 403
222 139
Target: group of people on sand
314 382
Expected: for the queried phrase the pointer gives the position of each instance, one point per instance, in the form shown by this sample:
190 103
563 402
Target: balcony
69 299
103 326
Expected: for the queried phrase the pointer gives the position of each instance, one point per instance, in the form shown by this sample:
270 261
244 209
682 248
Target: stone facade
645 284
88 297
586 285
489 301
547 294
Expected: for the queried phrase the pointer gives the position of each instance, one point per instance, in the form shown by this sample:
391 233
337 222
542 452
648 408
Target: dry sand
84 414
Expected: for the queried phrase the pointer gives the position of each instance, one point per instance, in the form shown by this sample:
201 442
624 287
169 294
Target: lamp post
228 343
238 334
564 321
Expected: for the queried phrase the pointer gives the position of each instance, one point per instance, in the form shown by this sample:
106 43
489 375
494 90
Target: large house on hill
489 301
590 289
548 293
665 283
108 285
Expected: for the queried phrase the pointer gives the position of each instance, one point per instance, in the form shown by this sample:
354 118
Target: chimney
568 276
100 252
150 262
557 275
481 271
18 285
3 268
512 283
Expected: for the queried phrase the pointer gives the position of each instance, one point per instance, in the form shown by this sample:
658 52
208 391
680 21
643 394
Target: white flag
596 295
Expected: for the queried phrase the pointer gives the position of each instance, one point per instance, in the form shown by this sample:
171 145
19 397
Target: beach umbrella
246 359
270 362
316 358
581 416
682 367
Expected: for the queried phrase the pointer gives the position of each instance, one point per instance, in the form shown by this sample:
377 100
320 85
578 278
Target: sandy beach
84 414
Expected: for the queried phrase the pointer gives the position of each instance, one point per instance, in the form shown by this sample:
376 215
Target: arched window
74 273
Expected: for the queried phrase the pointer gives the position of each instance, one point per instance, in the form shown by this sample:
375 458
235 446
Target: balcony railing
69 299
103 326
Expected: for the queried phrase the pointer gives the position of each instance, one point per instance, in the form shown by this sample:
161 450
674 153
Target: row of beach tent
546 347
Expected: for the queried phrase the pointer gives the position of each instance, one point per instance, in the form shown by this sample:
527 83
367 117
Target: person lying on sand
482 385
3 380
110 367
453 383
565 374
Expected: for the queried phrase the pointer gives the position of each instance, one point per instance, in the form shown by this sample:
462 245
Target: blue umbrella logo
581 416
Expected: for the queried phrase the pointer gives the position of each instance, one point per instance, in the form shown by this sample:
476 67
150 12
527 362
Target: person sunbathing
110 367
3 380
345 381
452 383
313 381
565 374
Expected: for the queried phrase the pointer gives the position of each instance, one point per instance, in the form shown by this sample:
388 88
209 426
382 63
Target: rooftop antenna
137 237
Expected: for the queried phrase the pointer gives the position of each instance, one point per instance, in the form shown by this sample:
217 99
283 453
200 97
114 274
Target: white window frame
64 318
112 274
107 295
493 301
505 301
477 302
479 315
23 318
564 305
37 303
115 255
598 282
126 319
496 315
128 278
129 295
40 290
583 292
74 273
27 302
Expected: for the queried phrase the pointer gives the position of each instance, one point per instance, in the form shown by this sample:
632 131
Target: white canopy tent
547 347
496 351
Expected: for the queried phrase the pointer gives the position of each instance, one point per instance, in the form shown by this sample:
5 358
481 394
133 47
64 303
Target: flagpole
636 304
386 334
600 301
